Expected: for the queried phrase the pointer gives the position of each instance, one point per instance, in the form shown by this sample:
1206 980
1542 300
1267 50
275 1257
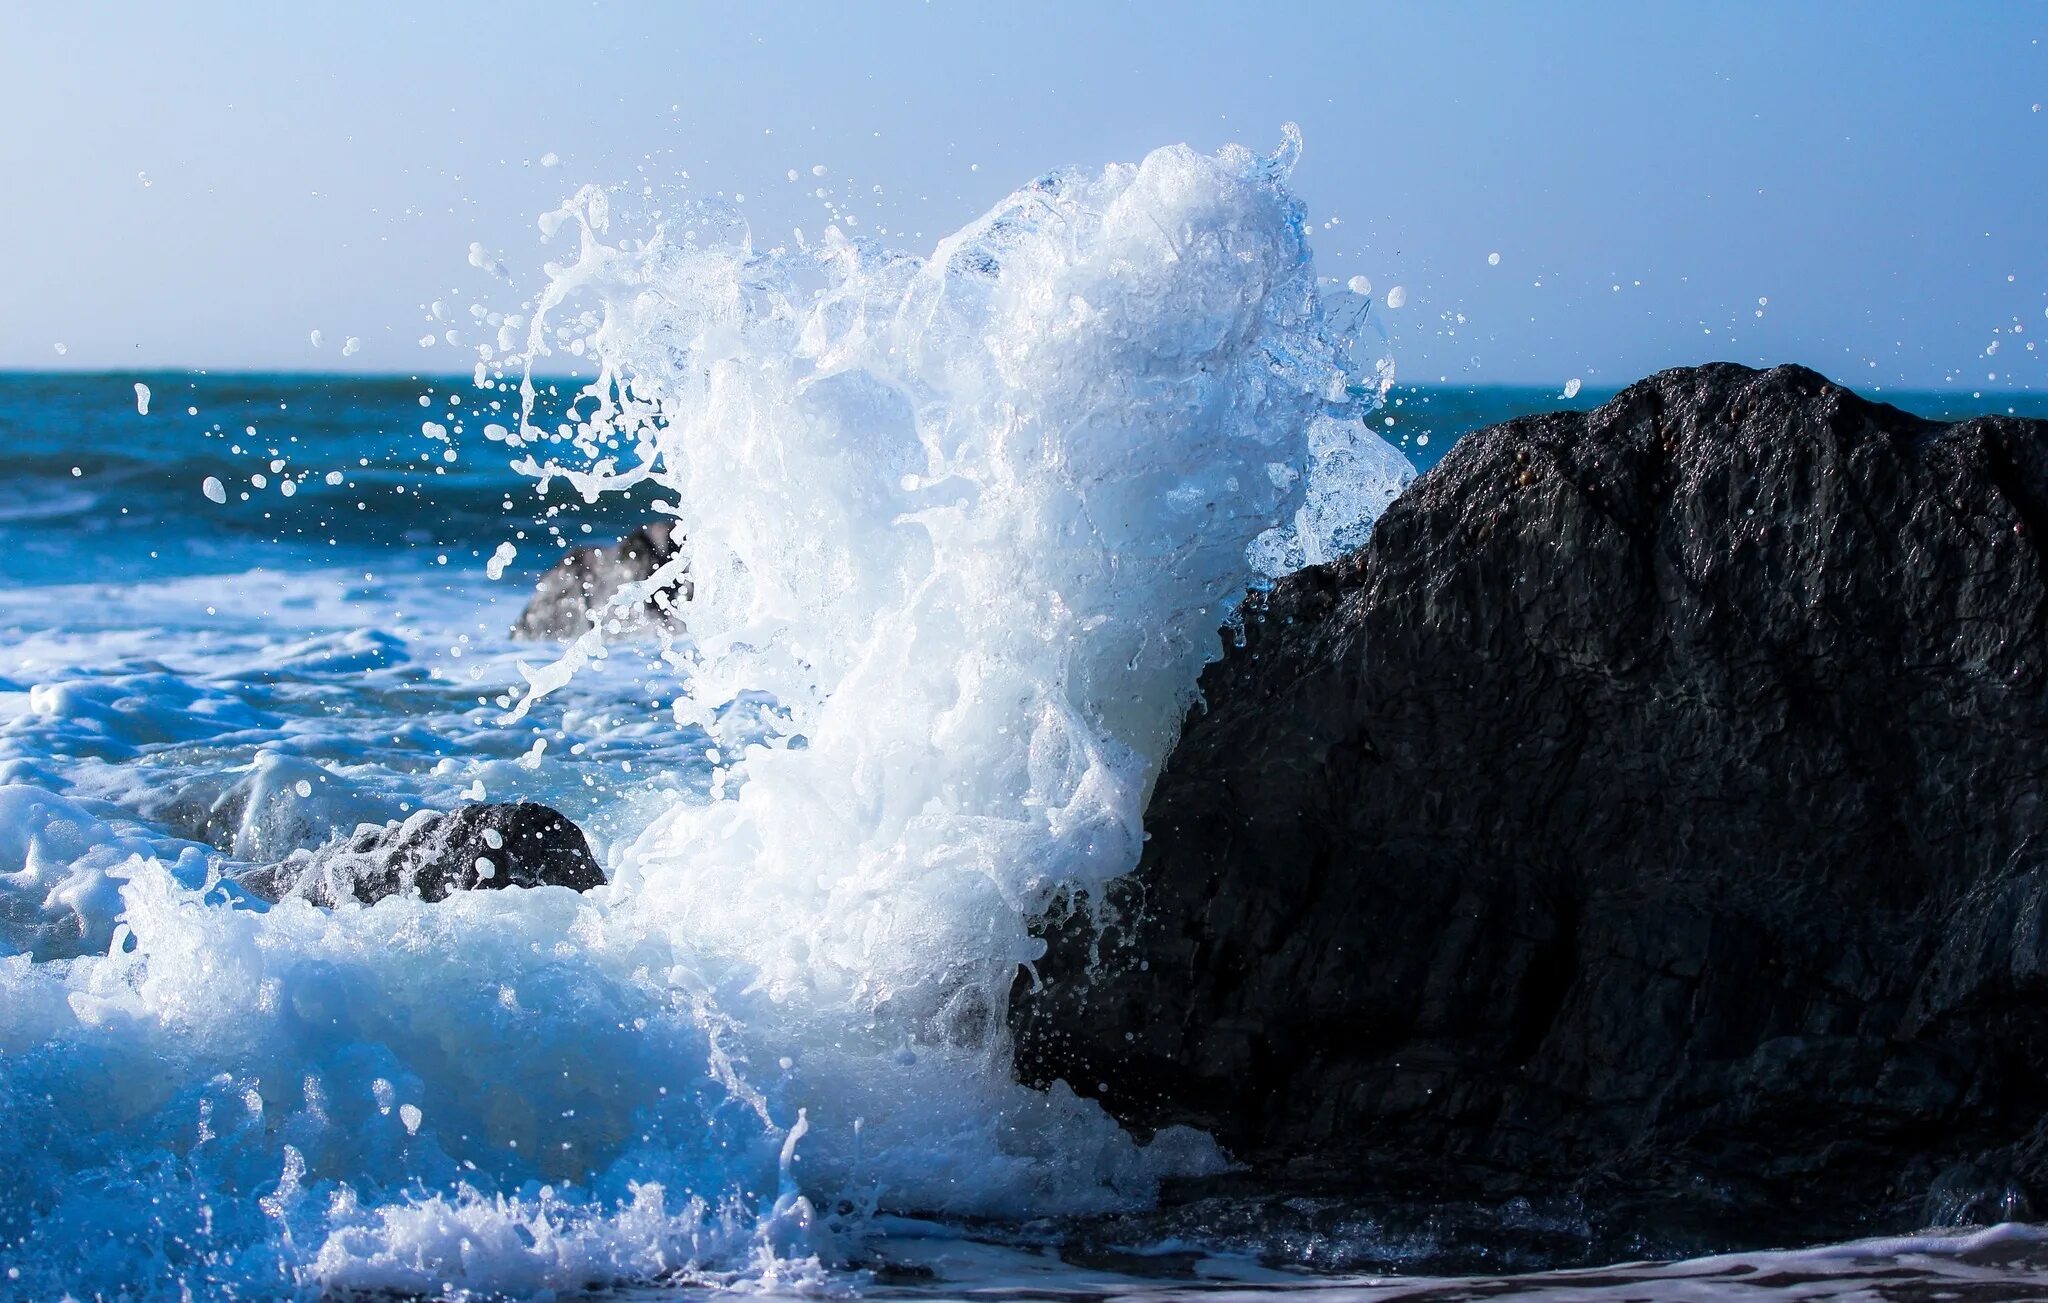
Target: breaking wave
970 524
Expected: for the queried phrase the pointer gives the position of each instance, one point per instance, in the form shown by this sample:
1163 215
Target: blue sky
206 187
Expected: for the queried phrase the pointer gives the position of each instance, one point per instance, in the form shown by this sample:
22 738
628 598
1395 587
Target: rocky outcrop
578 590
516 844
1651 819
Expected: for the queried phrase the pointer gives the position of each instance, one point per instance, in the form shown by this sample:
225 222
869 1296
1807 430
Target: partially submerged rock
579 590
517 844
1651 819
277 804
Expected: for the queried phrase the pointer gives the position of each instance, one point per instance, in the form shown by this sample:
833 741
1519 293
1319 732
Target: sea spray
974 520
971 522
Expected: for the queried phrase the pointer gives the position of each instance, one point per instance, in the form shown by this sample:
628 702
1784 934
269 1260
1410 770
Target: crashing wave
973 522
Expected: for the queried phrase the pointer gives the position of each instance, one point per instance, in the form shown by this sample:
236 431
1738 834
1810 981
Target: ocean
955 570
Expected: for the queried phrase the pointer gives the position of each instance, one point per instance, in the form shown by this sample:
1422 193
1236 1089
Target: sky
1859 187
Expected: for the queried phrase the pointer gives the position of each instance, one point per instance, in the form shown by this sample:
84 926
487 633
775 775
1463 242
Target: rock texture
1652 818
516 844
578 590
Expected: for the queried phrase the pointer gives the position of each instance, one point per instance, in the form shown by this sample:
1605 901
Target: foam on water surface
962 532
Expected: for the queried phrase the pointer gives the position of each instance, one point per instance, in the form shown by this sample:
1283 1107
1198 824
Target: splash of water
972 521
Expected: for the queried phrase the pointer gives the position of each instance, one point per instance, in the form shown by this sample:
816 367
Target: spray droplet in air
550 159
214 490
318 338
1572 387
484 261
1397 297
141 398
1360 285
1493 260
349 348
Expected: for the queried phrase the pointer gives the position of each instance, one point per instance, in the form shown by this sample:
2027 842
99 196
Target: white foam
62 864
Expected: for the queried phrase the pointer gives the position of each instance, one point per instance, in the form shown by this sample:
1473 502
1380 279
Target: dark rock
578 590
1653 816
524 844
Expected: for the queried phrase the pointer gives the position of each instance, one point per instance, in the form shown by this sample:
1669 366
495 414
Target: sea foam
970 523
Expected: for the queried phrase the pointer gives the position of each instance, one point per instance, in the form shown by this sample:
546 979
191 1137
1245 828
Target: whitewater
963 530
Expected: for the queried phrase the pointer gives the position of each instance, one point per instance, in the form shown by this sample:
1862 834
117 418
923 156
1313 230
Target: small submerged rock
578 591
514 844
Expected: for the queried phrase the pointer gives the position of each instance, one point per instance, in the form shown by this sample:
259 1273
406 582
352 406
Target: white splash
973 521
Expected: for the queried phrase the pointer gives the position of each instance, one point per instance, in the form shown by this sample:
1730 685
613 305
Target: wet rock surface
515 844
578 590
1648 821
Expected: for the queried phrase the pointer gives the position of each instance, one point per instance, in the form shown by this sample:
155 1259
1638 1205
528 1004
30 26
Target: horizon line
466 379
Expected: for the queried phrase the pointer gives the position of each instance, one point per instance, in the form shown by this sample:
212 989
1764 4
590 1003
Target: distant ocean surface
291 590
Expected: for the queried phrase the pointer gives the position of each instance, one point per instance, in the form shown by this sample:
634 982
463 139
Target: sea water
964 525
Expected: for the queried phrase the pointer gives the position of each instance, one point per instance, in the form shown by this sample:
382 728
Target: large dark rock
515 844
1648 820
577 591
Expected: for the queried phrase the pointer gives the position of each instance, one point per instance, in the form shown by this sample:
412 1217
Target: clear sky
205 186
